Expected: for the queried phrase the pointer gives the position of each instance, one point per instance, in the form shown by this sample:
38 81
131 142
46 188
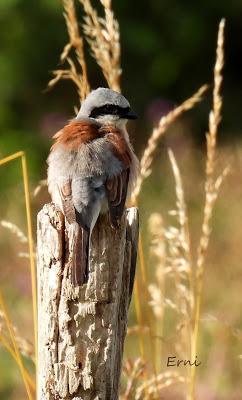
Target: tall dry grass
79 78
171 246
9 338
180 265
211 188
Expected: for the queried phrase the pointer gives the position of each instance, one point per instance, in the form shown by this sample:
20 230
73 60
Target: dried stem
42 184
211 137
158 132
184 235
15 230
212 185
164 380
103 37
15 346
179 265
133 371
156 290
5 343
179 260
21 154
80 79
181 208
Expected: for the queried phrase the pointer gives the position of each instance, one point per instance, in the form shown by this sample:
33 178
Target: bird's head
106 107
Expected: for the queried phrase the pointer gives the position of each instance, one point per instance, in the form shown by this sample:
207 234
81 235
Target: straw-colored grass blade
165 122
5 343
15 346
211 193
4 161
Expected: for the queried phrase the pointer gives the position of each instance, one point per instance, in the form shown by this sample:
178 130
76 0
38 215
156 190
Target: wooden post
81 331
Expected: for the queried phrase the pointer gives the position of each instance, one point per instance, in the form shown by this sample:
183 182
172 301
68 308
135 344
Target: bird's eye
107 108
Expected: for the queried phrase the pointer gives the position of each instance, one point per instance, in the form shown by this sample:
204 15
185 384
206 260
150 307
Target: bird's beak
130 115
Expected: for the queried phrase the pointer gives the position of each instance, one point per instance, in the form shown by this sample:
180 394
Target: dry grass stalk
157 244
23 254
22 156
179 263
148 317
136 329
156 290
80 79
180 267
133 372
158 132
139 315
42 184
179 259
182 250
15 230
140 318
103 37
174 263
5 343
177 267
181 209
14 346
30 244
156 301
147 390
26 348
212 185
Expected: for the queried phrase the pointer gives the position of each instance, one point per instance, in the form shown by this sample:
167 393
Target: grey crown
100 97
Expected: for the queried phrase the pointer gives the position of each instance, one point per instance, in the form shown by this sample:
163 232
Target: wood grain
81 331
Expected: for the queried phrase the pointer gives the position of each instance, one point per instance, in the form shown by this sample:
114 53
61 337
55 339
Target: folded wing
116 189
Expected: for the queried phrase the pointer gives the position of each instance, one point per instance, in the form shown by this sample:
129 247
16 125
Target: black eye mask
110 109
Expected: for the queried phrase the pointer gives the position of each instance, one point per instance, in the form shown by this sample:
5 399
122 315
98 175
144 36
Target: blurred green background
168 51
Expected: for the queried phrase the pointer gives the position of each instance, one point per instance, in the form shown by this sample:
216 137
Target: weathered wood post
81 331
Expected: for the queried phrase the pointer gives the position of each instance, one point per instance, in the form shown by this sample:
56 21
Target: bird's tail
80 255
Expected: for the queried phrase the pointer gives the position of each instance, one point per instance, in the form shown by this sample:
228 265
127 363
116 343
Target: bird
92 170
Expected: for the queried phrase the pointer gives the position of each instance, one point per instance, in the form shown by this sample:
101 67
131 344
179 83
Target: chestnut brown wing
67 203
116 189
117 186
80 237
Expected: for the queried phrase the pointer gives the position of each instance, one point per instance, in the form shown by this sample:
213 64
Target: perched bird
92 169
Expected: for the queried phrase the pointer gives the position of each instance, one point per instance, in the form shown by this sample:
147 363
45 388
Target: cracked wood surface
81 330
